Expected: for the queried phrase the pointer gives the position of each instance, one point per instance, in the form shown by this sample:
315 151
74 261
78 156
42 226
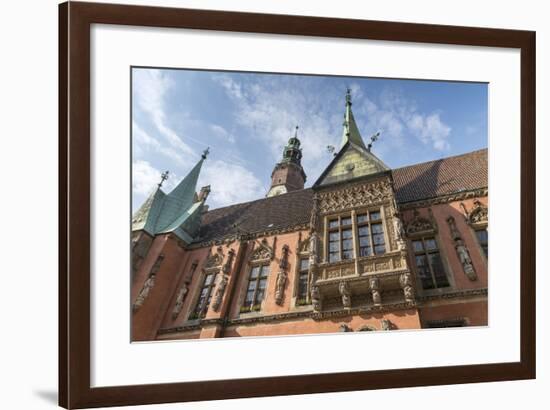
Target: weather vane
373 140
163 177
205 152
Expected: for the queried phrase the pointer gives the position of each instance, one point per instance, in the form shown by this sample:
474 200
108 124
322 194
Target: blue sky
247 118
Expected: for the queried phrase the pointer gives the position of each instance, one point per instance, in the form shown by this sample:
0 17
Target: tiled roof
412 183
276 212
441 177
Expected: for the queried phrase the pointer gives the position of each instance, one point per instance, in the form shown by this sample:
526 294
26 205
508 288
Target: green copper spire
351 132
292 151
178 212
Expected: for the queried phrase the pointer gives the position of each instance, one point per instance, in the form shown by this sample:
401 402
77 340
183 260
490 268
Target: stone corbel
405 280
374 284
343 288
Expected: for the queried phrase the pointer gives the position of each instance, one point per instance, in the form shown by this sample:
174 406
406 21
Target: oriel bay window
428 262
369 231
255 290
205 296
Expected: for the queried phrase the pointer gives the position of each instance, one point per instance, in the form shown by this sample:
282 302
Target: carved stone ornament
420 224
156 265
281 277
374 284
144 293
220 290
355 196
262 252
386 324
214 259
180 298
316 298
478 215
343 288
461 250
303 246
405 280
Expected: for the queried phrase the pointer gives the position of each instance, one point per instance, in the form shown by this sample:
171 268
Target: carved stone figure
180 298
399 232
280 287
452 226
145 290
313 239
220 290
343 288
465 260
386 324
316 298
227 265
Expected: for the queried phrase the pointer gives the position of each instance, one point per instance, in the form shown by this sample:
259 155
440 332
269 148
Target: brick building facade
365 248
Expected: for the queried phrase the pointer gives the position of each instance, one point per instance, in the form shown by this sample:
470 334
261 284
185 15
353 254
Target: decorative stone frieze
355 196
262 252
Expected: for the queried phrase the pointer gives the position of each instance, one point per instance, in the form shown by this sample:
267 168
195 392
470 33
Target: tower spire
288 175
351 131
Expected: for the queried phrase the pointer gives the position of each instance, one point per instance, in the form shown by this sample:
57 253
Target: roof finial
205 153
373 140
296 132
348 96
163 177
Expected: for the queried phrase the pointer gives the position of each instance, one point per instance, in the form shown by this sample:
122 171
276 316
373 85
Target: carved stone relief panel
355 196
420 224
214 259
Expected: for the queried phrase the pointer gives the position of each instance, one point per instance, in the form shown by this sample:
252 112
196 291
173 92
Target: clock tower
288 175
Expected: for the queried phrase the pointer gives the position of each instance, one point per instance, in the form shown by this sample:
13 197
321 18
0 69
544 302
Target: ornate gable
262 252
478 215
214 259
419 224
351 162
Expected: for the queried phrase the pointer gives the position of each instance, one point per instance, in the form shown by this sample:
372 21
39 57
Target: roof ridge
268 198
440 159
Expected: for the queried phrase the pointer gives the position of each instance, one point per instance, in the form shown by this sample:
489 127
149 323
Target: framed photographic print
255 205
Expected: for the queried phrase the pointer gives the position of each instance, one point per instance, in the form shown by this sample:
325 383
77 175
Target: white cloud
230 183
150 88
142 143
221 132
430 129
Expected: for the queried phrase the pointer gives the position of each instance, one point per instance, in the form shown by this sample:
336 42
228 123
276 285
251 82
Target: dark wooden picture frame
75 20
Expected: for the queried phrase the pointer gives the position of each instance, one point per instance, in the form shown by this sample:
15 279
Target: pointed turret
177 212
288 175
351 132
355 159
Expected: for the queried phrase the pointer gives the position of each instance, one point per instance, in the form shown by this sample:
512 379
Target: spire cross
205 153
163 177
296 132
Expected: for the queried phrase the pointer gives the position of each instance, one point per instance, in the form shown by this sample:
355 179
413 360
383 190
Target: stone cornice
443 199
466 293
